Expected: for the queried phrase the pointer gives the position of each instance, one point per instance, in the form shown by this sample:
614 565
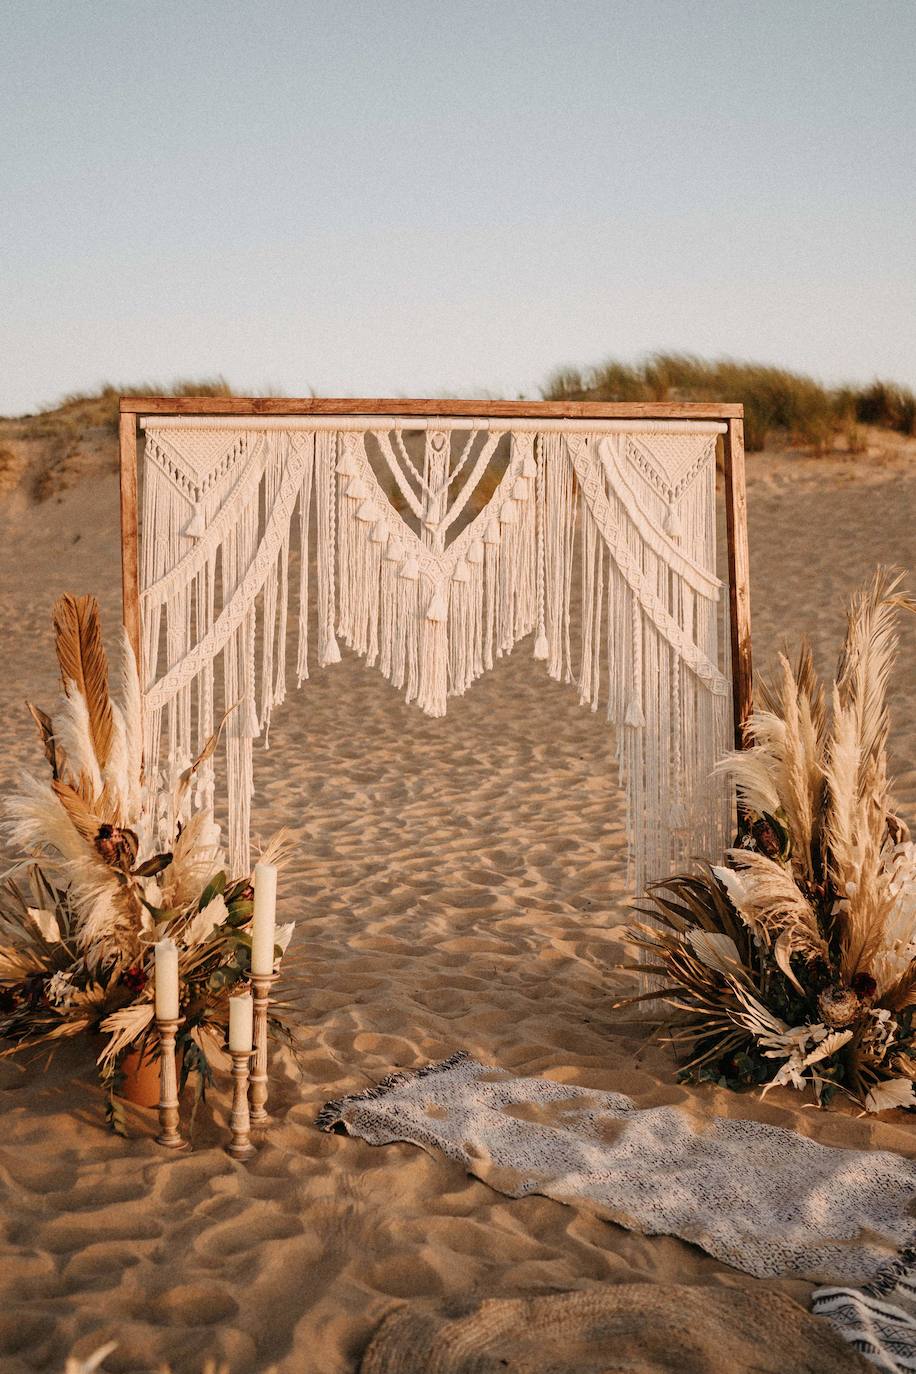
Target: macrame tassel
358 490
410 569
461 573
432 685
438 607
541 647
672 524
635 716
475 551
520 489
346 464
529 465
380 534
251 728
507 514
196 527
368 513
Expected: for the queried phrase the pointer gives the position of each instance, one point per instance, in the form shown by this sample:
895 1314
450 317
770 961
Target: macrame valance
435 545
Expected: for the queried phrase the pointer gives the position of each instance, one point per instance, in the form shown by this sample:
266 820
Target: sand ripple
457 884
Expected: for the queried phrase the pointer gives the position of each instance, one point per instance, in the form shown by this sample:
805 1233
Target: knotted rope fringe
625 522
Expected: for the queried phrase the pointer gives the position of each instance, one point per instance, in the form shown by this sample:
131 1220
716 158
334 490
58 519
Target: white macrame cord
613 522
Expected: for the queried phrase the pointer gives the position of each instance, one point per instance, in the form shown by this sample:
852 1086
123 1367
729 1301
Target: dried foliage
114 862
795 961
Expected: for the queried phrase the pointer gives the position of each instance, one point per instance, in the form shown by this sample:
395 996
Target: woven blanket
760 1198
628 1328
879 1319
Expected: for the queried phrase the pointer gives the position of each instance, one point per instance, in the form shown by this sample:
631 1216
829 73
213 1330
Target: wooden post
130 545
738 575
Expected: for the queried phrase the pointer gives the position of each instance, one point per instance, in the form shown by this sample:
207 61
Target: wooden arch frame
732 415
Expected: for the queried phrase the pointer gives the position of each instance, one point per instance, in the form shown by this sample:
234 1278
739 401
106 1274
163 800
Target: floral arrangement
794 963
114 862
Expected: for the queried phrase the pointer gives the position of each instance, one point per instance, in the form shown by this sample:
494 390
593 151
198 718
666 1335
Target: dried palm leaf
125 1027
278 848
46 731
84 665
85 818
769 901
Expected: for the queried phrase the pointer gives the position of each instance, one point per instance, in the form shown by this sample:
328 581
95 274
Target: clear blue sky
413 196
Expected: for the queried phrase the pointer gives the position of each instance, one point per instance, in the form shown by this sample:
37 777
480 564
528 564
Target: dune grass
82 410
780 405
777 402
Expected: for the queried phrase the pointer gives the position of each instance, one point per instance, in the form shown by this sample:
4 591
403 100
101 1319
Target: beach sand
457 884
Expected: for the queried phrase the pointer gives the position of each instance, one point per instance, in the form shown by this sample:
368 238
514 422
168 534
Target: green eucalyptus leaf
240 912
215 888
152 866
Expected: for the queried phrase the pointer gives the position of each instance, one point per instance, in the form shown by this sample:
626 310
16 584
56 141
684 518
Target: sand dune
458 884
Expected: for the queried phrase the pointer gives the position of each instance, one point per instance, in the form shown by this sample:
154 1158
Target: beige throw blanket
760 1198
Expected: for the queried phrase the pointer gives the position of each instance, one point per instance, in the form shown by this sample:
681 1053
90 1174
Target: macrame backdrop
435 546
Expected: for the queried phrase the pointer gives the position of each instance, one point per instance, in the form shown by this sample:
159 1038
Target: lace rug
760 1198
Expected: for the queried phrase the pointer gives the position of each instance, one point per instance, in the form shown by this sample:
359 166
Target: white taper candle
241 1024
167 980
263 929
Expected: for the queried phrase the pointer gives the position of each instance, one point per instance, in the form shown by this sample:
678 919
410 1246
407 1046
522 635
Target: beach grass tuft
778 404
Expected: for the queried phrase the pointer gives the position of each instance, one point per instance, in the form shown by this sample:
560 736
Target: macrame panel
431 552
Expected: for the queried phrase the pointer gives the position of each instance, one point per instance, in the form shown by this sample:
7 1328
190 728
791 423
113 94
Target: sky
428 197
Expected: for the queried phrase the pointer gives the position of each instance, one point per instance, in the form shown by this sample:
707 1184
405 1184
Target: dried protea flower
838 1007
765 835
117 847
767 838
864 986
135 978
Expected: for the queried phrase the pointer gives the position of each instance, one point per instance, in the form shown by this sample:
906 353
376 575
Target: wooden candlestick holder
240 1146
169 1134
261 985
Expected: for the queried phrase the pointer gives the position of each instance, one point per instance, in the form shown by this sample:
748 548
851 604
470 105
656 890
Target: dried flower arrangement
795 963
115 861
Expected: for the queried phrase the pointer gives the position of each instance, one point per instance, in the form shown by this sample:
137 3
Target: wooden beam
738 576
317 405
130 543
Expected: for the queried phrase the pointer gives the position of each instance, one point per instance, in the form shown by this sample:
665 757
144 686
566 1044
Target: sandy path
458 885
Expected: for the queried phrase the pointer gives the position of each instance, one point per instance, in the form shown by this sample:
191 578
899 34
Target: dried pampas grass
822 880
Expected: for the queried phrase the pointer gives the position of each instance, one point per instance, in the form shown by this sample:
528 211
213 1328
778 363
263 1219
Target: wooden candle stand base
169 1134
261 985
240 1146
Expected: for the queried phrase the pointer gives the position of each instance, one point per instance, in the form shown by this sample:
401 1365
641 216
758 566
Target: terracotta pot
140 1078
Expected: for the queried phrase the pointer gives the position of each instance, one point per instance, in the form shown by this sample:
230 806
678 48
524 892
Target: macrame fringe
627 521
